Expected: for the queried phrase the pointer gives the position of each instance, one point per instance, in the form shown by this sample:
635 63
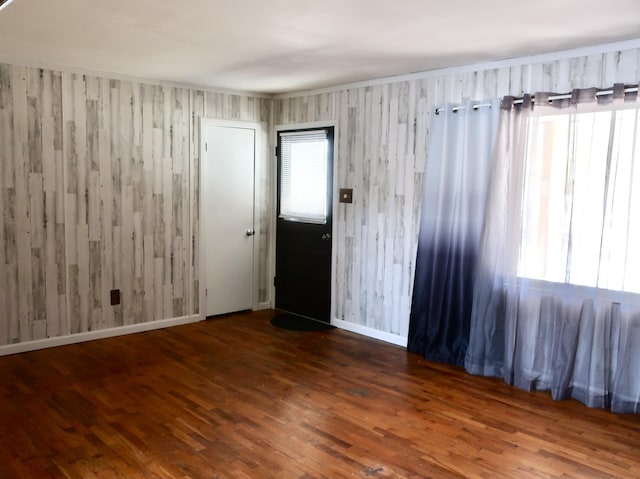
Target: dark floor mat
293 322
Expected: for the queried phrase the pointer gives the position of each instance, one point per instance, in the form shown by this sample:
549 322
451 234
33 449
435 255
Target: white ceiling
275 46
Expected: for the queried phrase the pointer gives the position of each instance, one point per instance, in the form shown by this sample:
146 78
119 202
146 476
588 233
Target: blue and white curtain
455 189
555 276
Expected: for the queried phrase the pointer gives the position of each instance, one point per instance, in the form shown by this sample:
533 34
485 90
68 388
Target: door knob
250 232
326 236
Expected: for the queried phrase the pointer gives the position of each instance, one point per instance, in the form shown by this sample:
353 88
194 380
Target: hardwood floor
236 397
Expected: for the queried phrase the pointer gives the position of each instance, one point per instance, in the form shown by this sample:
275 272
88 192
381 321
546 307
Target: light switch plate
346 195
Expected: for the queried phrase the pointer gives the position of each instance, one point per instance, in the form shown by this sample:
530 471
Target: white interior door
227 218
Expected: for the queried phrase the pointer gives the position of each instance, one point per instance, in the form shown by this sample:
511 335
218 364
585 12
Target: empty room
244 239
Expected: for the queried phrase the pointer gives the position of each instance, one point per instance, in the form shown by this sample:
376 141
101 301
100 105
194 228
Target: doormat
293 322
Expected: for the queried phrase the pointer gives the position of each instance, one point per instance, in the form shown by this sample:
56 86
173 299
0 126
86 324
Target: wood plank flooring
236 397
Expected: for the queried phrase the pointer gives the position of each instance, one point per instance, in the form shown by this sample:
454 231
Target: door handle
250 232
326 236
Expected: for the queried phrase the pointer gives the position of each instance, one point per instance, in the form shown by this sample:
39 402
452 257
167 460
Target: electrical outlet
115 297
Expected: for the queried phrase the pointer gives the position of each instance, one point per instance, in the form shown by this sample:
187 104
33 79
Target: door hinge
277 151
206 146
274 282
206 292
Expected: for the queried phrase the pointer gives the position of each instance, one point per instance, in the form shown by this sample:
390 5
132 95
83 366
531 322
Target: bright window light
303 176
581 202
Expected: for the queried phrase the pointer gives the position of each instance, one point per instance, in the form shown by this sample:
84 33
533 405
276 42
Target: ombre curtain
556 302
455 188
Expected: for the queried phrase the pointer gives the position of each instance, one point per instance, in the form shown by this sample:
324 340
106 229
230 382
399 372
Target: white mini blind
303 176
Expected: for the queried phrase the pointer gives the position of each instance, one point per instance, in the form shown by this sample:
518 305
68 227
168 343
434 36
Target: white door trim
258 128
334 202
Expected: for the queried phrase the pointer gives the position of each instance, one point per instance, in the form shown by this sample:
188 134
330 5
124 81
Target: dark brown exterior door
303 244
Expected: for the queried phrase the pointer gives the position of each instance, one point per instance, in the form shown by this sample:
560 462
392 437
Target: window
303 176
581 201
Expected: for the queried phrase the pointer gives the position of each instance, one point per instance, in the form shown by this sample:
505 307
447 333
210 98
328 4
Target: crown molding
126 77
474 67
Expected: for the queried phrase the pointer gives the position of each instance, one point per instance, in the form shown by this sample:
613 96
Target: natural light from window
303 189
581 204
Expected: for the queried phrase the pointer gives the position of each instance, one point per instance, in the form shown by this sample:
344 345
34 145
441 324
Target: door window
304 170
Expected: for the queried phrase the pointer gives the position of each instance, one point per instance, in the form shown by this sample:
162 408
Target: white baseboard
265 305
92 335
370 332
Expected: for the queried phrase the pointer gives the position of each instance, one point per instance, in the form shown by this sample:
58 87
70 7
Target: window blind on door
303 176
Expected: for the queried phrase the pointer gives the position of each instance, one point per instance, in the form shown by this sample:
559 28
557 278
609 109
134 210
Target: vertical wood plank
197 105
20 329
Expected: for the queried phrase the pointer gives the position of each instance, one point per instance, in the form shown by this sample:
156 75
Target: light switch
346 195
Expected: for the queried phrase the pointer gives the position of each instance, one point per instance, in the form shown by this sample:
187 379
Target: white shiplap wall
99 183
383 131
99 188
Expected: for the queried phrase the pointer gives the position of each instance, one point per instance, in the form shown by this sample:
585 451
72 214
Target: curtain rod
566 96
456 108
518 101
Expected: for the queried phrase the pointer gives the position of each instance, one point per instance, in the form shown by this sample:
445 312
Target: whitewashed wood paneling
126 169
99 188
98 191
32 229
382 142
305 109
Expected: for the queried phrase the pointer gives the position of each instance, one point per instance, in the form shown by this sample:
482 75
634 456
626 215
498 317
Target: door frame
334 207
259 129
